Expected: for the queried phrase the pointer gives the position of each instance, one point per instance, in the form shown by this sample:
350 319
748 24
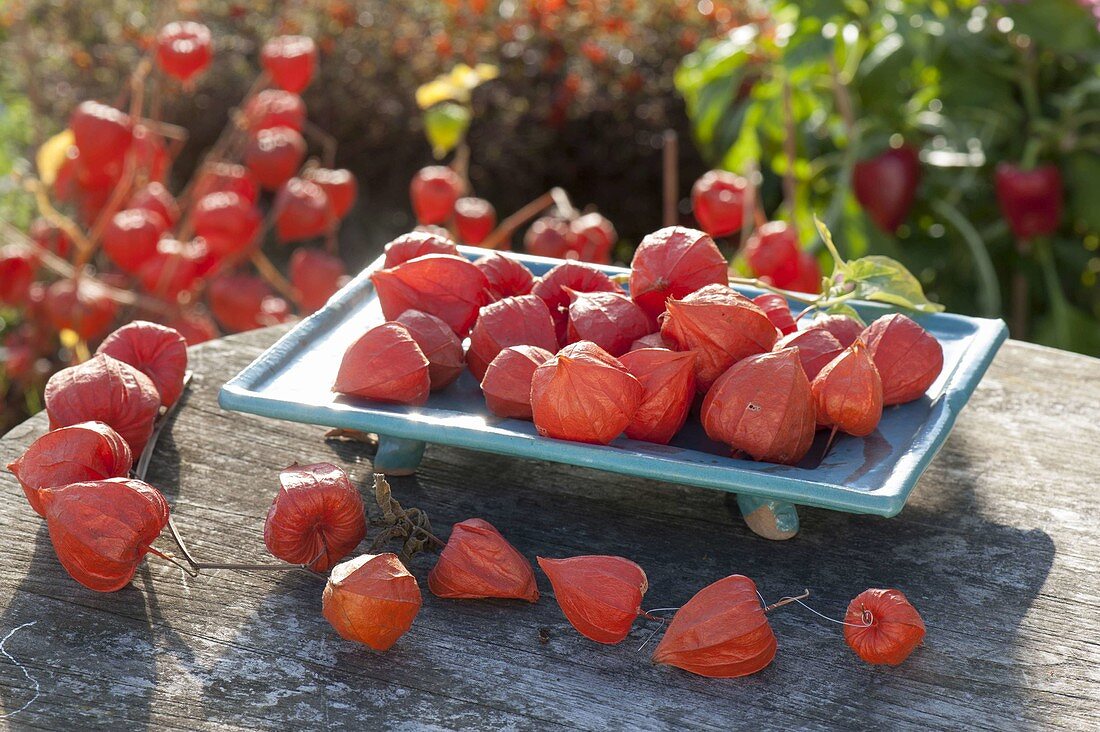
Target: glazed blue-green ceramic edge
242 394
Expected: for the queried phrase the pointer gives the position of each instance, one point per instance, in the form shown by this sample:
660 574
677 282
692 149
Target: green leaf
1082 172
1070 329
445 125
1062 25
843 308
882 279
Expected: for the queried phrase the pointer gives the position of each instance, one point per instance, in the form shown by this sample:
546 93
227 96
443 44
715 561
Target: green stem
1043 253
989 288
843 181
1031 153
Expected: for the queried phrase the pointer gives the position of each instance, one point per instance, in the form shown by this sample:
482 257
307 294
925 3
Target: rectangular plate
292 381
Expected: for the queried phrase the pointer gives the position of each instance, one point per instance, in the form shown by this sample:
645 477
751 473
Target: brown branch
506 227
271 274
670 177
328 142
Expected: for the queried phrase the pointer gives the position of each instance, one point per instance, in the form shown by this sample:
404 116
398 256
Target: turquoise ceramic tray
291 381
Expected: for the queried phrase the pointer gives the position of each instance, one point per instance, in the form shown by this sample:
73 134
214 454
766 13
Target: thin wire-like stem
786 601
650 638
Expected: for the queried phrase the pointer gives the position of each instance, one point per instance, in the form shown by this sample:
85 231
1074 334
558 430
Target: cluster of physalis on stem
114 242
103 519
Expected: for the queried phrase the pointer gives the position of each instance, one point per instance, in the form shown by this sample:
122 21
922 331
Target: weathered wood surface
998 549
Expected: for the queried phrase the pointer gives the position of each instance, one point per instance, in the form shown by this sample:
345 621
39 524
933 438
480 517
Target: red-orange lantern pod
721 632
478 562
371 599
882 626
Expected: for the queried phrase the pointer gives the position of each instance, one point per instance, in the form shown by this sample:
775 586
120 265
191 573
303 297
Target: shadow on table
972 577
94 655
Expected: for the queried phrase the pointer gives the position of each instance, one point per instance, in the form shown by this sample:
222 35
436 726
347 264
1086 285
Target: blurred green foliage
971 84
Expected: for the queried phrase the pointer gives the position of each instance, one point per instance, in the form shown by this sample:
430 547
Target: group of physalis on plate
586 361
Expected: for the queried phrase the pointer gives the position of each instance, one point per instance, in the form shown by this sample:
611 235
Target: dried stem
226 138
670 160
271 274
411 524
328 142
52 215
63 269
787 601
506 227
460 164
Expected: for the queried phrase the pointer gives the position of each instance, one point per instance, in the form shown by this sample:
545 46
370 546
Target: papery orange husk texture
890 628
668 380
584 394
577 276
816 348
674 262
417 244
908 357
848 392
653 340
155 350
507 276
507 382
599 595
443 285
102 529
778 311
523 320
722 632
721 326
317 517
81 452
439 344
609 319
763 406
478 562
843 328
385 364
106 390
371 599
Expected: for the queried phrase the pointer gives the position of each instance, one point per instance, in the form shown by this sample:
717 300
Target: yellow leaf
487 72
455 85
441 89
52 154
68 338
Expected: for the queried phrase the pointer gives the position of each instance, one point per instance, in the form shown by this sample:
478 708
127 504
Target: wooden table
998 549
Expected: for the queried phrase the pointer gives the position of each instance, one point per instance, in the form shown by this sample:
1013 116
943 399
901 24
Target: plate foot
398 456
771 519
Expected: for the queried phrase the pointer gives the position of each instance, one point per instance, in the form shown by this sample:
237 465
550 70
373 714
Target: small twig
273 276
460 164
229 134
52 215
752 210
787 601
328 142
670 178
506 227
